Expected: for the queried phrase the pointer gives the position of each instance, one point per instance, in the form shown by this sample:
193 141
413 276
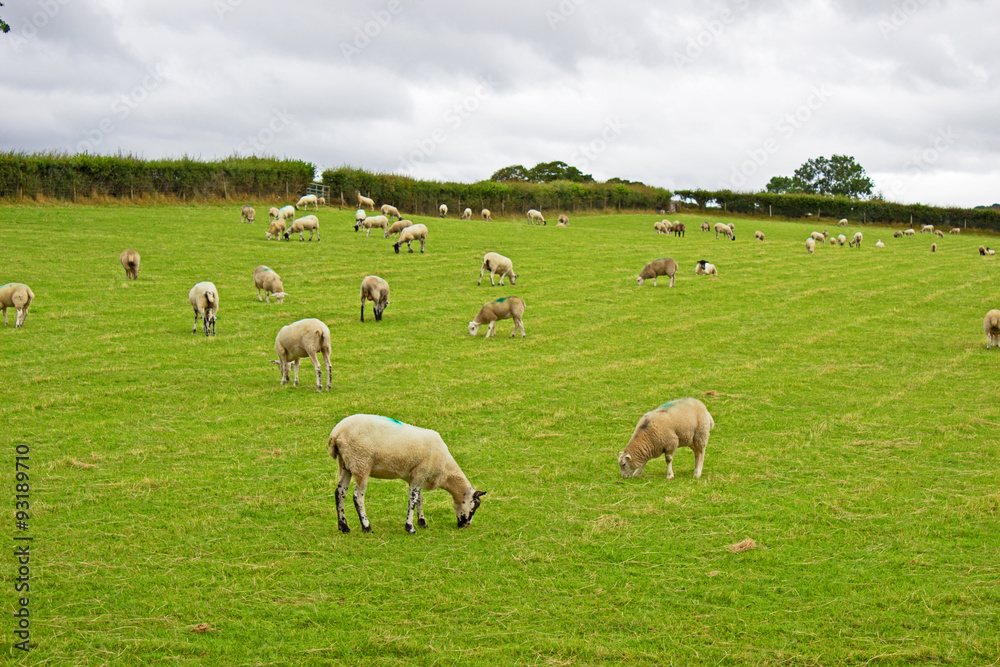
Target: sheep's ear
628 457
478 494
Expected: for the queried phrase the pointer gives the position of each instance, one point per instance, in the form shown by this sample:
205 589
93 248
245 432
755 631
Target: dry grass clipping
746 545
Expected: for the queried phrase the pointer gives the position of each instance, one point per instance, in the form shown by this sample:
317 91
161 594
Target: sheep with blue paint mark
684 422
501 309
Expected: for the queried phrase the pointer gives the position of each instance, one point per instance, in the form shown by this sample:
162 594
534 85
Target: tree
4 27
840 175
546 172
512 173
781 185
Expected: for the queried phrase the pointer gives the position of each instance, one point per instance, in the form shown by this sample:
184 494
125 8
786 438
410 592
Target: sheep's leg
421 521
409 246
194 329
669 455
5 316
414 498
360 486
699 460
422 243
22 313
258 295
329 370
345 481
481 272
672 280
491 331
654 281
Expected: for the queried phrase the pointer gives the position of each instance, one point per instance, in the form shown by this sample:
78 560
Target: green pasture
182 501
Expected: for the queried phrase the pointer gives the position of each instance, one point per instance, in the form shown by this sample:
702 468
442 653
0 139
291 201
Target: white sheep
204 300
364 202
264 278
390 211
310 222
842 223
990 252
376 290
991 325
664 266
487 216
684 422
818 236
927 228
443 210
305 200
411 234
359 217
305 338
725 230
396 228
706 226
286 213
497 263
379 221
373 446
322 201
898 234
704 268
275 229
247 213
17 296
856 241
909 232
955 230
535 216
467 214
759 235
662 227
939 233
501 309
272 213
130 262
841 239
811 245
879 244
562 220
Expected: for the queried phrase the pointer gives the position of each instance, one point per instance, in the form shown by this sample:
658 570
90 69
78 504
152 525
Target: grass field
175 483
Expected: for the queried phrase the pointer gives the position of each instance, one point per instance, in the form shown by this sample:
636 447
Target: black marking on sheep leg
359 505
421 521
411 503
341 518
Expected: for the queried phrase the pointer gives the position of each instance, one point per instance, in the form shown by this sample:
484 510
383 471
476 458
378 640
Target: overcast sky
674 93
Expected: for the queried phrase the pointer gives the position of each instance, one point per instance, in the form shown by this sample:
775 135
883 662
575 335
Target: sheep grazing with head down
443 210
938 233
678 228
275 229
759 235
535 217
269 281
661 227
818 236
496 263
376 290
359 217
704 268
272 213
487 216
706 227
305 338
17 296
417 232
310 222
991 325
373 446
665 266
204 300
305 200
955 230
725 230
390 211
927 228
396 228
856 241
684 422
130 262
898 234
503 308
841 239
366 203
562 220
286 213
811 245
379 221
247 213
467 214
909 232
842 223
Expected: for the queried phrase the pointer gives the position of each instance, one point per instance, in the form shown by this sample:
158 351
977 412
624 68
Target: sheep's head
357 225
627 467
466 509
641 280
513 279
280 296
288 235
473 328
395 247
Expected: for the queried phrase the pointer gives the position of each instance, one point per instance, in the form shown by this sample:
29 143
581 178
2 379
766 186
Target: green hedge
62 176
509 198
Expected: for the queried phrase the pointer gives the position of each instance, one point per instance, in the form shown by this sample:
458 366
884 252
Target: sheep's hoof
366 529
410 529
422 523
344 528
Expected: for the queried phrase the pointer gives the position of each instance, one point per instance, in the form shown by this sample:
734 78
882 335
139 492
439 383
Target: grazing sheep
305 200
379 221
842 223
856 241
17 296
396 228
359 217
130 262
487 216
286 213
272 213
982 250
759 235
443 210
704 268
501 309
411 234
684 422
909 232
535 216
927 228
664 266
364 202
818 236
390 211
725 230
678 228
467 214
304 338
811 245
662 227
934 247
841 239
310 222
247 213
204 300
991 325
990 252
497 263
955 230
879 244
372 446
275 229
322 201
376 290
898 234
706 226
562 220
938 232
268 280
